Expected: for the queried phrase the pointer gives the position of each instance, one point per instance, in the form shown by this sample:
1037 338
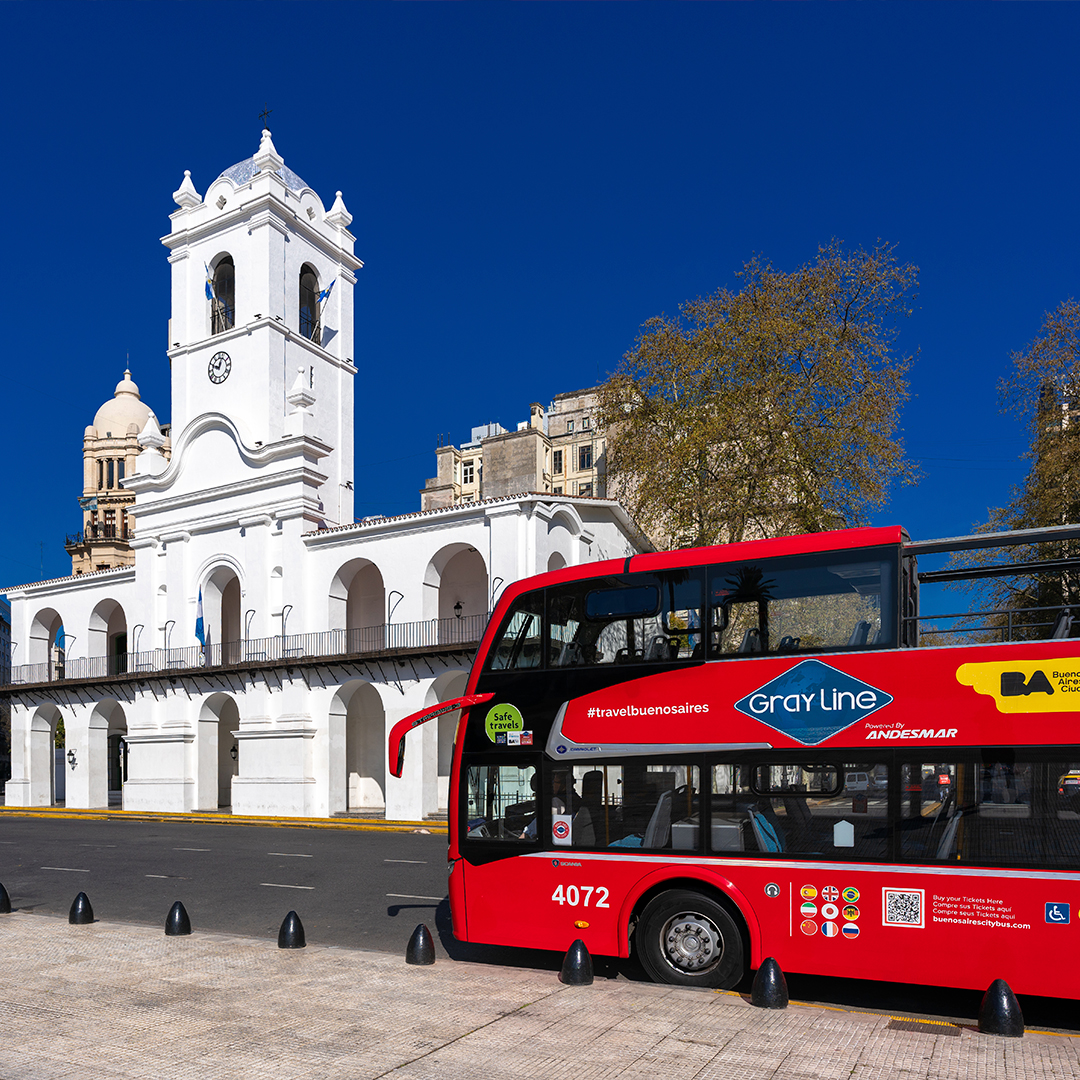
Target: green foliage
58 740
767 411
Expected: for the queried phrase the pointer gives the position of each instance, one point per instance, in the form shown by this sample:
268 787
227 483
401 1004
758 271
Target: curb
438 828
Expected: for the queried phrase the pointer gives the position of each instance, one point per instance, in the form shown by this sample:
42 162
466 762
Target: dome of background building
124 409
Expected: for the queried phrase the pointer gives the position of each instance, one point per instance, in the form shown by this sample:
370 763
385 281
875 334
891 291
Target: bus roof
802 544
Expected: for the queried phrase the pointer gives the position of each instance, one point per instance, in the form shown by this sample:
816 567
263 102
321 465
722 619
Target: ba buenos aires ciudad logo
812 701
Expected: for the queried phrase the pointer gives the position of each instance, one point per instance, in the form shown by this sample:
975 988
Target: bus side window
1006 809
500 802
830 810
633 805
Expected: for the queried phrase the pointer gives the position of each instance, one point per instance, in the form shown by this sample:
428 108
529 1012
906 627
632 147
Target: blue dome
243 171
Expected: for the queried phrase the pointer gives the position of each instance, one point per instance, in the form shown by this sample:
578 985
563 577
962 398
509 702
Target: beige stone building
557 450
110 446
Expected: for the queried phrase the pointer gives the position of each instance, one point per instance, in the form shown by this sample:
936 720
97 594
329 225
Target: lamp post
170 623
248 616
136 633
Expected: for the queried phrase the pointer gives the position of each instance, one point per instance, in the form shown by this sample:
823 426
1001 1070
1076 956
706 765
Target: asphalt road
358 889
355 889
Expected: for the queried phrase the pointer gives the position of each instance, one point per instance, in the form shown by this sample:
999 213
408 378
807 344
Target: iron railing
996 625
426 634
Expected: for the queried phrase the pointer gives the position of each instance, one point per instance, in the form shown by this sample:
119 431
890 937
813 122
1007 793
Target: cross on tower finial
264 116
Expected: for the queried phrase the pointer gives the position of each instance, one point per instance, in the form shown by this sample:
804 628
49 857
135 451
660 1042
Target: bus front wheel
685 938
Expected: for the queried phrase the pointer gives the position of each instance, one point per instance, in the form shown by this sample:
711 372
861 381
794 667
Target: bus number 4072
573 895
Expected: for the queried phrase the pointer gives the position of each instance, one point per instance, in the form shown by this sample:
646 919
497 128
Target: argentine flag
200 633
325 294
209 283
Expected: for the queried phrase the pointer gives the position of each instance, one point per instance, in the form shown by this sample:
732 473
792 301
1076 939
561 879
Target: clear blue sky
529 183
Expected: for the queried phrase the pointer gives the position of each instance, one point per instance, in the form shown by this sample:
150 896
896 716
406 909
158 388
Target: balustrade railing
426 634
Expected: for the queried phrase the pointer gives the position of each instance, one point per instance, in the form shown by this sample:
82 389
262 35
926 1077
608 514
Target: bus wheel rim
691 943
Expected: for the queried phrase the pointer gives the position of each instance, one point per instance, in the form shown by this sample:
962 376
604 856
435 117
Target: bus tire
688 939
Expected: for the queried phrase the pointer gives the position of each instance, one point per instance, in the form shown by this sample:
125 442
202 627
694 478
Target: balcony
430 635
98 532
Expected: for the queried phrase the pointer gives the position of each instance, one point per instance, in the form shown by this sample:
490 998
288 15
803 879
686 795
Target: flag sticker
850 930
829 929
808 910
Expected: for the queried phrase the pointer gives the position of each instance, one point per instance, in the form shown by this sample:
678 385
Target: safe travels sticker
502 720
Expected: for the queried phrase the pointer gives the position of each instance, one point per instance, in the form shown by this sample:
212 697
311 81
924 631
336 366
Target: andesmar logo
812 702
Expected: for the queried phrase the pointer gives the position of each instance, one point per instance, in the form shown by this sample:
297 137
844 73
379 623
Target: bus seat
584 828
751 641
658 831
659 648
948 837
860 633
788 644
767 837
1063 626
799 816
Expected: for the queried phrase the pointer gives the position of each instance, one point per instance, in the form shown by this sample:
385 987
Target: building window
223 301
585 456
100 474
109 472
309 305
584 423
467 473
556 490
584 489
569 427
556 462
110 524
119 470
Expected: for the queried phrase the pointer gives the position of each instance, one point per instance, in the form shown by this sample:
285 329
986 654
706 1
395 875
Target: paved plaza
115 1000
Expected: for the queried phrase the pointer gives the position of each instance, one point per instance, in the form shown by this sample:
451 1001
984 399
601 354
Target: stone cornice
268 203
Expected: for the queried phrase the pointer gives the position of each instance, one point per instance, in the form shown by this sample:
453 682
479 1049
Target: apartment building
558 450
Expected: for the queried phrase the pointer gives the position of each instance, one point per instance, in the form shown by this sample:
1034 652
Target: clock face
219 367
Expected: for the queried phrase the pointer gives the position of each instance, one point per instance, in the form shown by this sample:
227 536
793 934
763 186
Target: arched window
309 305
223 302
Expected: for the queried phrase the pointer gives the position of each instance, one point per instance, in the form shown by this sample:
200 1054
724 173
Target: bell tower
262 299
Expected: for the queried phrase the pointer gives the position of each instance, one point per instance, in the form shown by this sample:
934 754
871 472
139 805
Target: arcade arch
107 637
363 759
219 717
221 614
357 602
44 630
456 575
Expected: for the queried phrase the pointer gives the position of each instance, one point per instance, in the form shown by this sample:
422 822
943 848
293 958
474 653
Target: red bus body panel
975 923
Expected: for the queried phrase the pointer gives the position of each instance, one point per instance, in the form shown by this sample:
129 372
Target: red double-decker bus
715 755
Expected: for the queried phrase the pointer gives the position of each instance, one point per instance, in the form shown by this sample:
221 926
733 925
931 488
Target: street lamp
458 609
234 753
71 758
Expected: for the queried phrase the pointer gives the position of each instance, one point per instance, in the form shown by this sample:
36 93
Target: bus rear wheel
687 939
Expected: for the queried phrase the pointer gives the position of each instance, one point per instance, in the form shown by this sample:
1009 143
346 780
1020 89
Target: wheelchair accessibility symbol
1057 913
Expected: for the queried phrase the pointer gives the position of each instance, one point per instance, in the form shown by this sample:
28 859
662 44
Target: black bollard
577 966
177 924
291 934
81 912
5 902
999 1013
421 949
770 987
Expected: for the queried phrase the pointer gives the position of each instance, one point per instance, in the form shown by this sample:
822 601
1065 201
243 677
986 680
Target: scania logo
812 701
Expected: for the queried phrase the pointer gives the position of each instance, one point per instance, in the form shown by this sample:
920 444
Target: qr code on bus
902 907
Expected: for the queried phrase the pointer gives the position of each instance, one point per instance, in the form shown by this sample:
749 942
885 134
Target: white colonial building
317 633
